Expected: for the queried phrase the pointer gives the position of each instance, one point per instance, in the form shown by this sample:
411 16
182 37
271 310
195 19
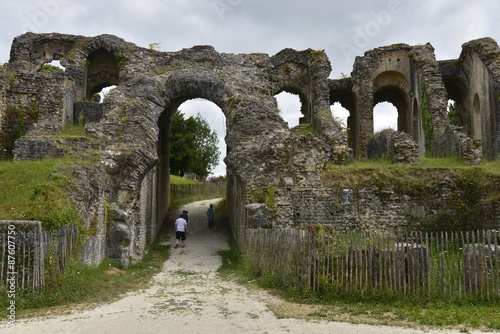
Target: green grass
181 180
70 131
33 190
492 167
81 284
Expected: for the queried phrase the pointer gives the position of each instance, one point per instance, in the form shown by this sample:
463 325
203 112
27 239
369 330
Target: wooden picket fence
446 265
29 253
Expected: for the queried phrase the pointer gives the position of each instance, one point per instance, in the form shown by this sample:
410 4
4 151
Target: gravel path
189 297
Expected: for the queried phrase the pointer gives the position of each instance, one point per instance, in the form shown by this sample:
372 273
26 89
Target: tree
193 146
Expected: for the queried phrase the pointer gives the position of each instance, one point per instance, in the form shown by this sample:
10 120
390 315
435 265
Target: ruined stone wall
36 92
86 112
398 147
410 79
446 140
438 202
480 64
236 202
375 74
149 224
275 176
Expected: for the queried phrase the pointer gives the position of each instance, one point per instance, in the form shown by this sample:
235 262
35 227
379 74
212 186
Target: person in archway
210 216
181 231
185 215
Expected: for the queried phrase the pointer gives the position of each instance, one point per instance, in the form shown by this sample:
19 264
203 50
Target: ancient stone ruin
274 174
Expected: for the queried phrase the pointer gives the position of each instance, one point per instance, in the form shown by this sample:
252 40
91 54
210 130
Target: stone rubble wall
87 112
446 140
480 62
398 147
382 206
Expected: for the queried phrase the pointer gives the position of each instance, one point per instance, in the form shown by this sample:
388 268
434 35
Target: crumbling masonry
272 171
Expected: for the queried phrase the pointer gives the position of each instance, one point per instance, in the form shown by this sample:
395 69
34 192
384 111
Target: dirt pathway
189 297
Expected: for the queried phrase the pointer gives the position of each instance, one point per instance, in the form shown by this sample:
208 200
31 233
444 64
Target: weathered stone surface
399 147
128 134
415 83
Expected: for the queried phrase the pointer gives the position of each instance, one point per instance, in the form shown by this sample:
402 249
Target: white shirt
180 224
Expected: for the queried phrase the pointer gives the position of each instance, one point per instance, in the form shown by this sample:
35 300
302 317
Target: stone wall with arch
419 86
124 193
264 157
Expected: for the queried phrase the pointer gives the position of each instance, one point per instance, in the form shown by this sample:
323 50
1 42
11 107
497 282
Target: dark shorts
180 235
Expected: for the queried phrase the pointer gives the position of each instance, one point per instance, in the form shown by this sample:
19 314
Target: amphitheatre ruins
274 174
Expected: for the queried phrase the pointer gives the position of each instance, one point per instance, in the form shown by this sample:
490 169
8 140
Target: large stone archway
263 156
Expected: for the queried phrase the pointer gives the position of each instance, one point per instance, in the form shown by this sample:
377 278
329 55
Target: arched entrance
214 117
392 87
385 116
177 92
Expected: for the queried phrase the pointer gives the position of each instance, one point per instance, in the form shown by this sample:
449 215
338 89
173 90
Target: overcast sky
344 29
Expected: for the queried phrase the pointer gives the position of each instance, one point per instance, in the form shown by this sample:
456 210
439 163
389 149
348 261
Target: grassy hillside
32 190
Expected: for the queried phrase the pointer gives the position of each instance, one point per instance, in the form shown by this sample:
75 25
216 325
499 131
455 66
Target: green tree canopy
193 146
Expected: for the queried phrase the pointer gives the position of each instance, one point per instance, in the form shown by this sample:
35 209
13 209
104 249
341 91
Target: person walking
181 231
210 216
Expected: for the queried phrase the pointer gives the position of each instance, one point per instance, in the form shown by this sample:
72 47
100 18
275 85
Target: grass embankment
463 316
490 167
192 191
33 190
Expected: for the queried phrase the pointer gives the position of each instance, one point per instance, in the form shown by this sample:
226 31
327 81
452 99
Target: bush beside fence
446 265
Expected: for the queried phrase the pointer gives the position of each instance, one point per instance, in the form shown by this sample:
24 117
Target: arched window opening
290 108
102 70
456 107
216 120
54 65
385 116
341 115
453 115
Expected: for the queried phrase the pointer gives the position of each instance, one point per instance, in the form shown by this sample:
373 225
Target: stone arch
46 50
101 70
292 74
177 91
347 99
304 110
393 87
457 91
